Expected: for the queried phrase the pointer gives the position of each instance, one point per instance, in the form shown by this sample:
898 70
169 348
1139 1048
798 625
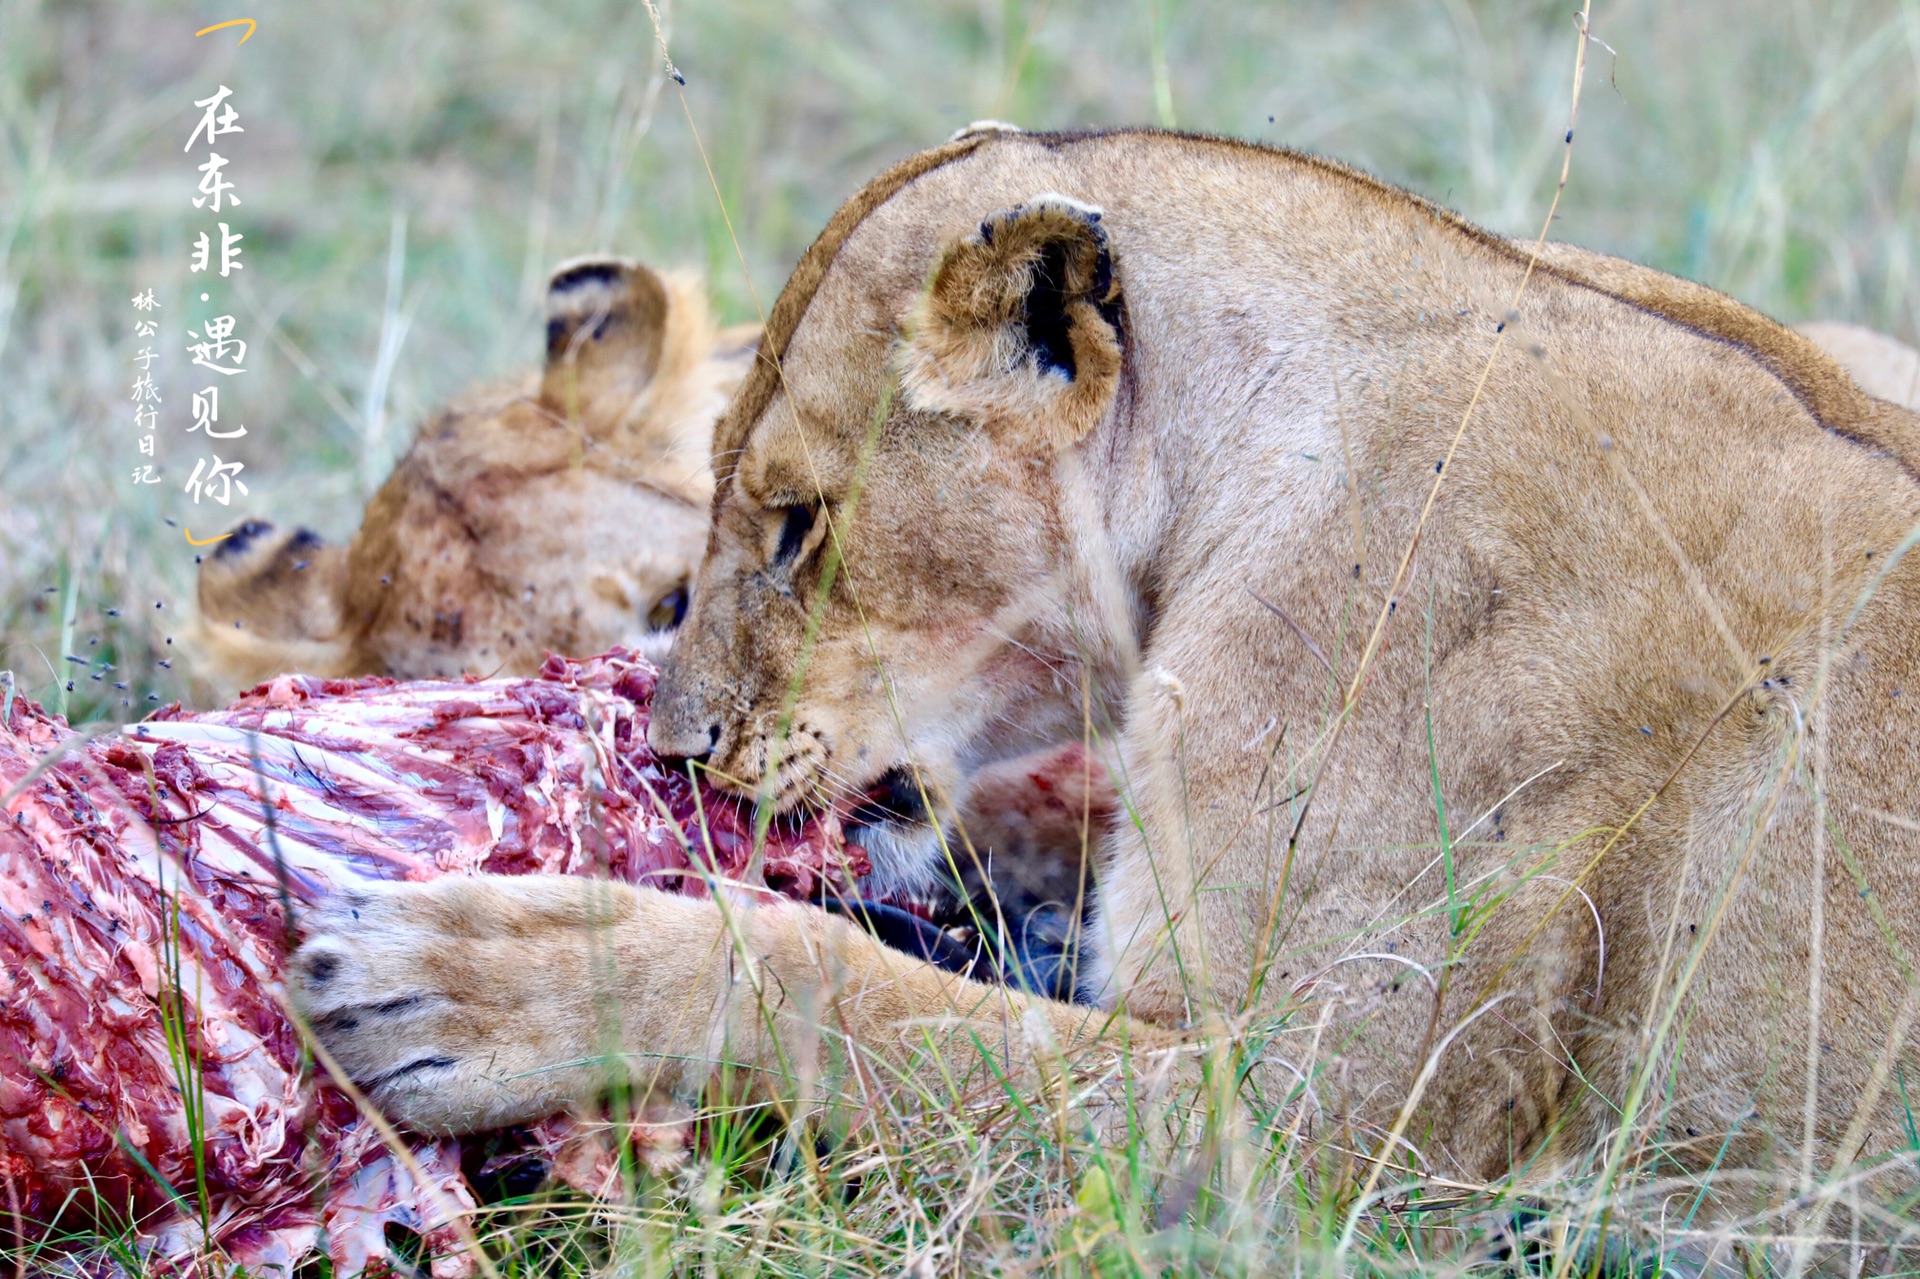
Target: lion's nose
692 704
677 747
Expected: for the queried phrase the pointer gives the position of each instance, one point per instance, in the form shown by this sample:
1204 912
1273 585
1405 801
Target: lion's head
562 511
892 596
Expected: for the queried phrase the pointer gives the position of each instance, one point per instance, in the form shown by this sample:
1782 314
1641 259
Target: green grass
411 172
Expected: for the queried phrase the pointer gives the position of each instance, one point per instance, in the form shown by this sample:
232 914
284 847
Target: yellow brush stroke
191 539
251 25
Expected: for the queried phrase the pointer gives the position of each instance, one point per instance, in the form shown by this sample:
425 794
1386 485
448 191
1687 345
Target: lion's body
547 513
1663 590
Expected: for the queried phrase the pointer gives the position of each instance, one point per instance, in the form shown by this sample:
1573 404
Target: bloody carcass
149 1073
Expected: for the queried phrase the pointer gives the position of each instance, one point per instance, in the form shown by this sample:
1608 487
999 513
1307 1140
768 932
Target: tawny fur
1883 366
553 512
1659 644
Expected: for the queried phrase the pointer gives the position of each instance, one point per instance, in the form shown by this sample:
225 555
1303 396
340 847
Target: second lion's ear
1020 325
606 324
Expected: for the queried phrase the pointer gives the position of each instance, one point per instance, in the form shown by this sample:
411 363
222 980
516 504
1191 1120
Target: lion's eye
668 611
794 527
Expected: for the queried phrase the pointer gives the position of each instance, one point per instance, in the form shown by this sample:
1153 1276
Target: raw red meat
148 868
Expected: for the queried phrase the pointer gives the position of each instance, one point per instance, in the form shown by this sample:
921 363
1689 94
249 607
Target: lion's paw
460 1004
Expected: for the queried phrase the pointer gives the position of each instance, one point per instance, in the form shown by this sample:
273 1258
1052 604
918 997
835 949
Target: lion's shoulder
1816 374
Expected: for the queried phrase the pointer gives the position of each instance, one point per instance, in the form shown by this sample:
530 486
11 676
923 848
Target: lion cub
564 510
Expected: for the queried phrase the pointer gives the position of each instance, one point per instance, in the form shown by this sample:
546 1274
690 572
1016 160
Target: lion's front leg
466 1004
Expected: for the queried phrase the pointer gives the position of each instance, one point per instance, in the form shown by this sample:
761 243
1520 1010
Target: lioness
1590 797
564 510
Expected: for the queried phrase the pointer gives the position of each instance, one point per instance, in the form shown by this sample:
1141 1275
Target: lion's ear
1021 324
606 325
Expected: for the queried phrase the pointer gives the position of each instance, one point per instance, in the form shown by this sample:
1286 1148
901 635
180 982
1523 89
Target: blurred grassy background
410 172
